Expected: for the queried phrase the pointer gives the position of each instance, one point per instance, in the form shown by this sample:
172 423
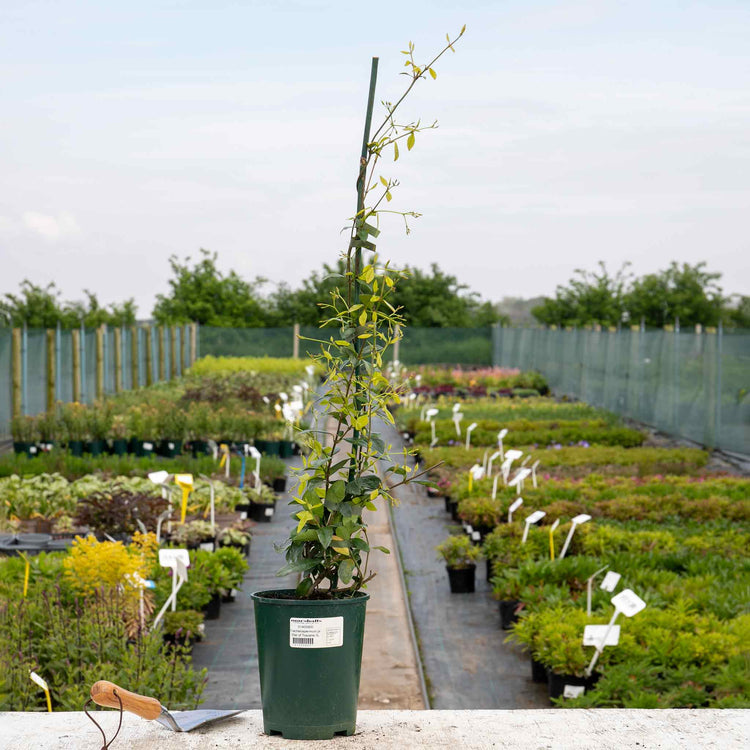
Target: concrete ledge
554 728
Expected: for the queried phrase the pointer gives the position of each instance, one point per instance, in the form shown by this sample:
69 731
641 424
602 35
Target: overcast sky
570 131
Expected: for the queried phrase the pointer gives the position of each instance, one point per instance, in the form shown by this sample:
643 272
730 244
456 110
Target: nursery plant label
628 602
610 581
516 504
268 512
593 635
316 632
168 557
148 446
573 691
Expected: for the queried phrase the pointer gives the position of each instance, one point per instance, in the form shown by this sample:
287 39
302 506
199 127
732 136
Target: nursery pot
75 447
119 447
309 660
286 448
170 448
454 510
200 448
30 449
538 671
261 444
260 512
447 503
508 614
144 448
556 682
462 579
279 484
94 447
213 609
272 447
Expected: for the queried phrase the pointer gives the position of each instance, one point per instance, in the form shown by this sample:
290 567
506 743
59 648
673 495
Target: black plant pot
272 447
462 579
259 512
94 447
30 449
556 682
200 448
538 671
213 609
75 447
143 448
508 613
119 447
279 484
170 448
260 444
454 510
447 503
286 448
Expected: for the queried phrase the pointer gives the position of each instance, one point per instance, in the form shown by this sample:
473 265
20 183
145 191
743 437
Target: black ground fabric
466 663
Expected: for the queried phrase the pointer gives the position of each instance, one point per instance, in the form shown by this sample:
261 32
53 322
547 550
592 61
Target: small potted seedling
460 556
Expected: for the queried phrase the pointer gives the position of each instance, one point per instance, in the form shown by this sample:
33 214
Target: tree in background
684 292
427 299
202 294
40 307
590 297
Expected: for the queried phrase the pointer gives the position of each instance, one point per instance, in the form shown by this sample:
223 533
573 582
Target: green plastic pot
309 690
273 447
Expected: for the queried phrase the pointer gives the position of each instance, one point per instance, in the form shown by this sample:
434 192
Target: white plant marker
477 472
589 588
160 478
510 457
627 602
433 435
484 460
35 678
526 460
535 517
495 455
255 453
593 635
514 506
162 517
533 472
500 436
457 417
576 521
469 430
518 479
610 581
178 560
283 396
494 486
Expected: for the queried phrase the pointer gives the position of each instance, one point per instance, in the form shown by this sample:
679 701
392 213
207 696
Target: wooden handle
102 693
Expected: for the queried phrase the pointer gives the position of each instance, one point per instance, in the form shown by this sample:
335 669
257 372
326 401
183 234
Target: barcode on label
303 641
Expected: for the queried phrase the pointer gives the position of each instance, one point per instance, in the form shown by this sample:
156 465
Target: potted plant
119 435
99 424
236 566
262 503
76 426
310 638
183 627
237 536
25 435
194 535
460 555
171 425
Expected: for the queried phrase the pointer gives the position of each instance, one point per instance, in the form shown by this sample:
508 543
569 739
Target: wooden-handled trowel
102 693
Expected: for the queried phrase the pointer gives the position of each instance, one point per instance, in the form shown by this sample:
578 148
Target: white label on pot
243 515
593 634
573 691
269 511
316 632
235 592
32 449
207 546
476 536
148 446
170 446
610 581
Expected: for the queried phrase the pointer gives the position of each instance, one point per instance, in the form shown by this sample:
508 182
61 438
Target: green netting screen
693 385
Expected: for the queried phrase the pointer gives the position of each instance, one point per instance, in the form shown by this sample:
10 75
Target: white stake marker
589 588
514 506
469 430
535 517
495 455
533 472
500 436
577 521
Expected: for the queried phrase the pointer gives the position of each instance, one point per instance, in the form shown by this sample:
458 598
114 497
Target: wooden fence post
17 373
295 341
183 347
162 355
118 359
172 352
100 362
149 358
134 359
51 370
76 344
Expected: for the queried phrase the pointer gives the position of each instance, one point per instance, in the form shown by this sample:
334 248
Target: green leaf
384 181
304 587
433 74
388 196
384 549
324 536
410 141
346 570
395 151
336 491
